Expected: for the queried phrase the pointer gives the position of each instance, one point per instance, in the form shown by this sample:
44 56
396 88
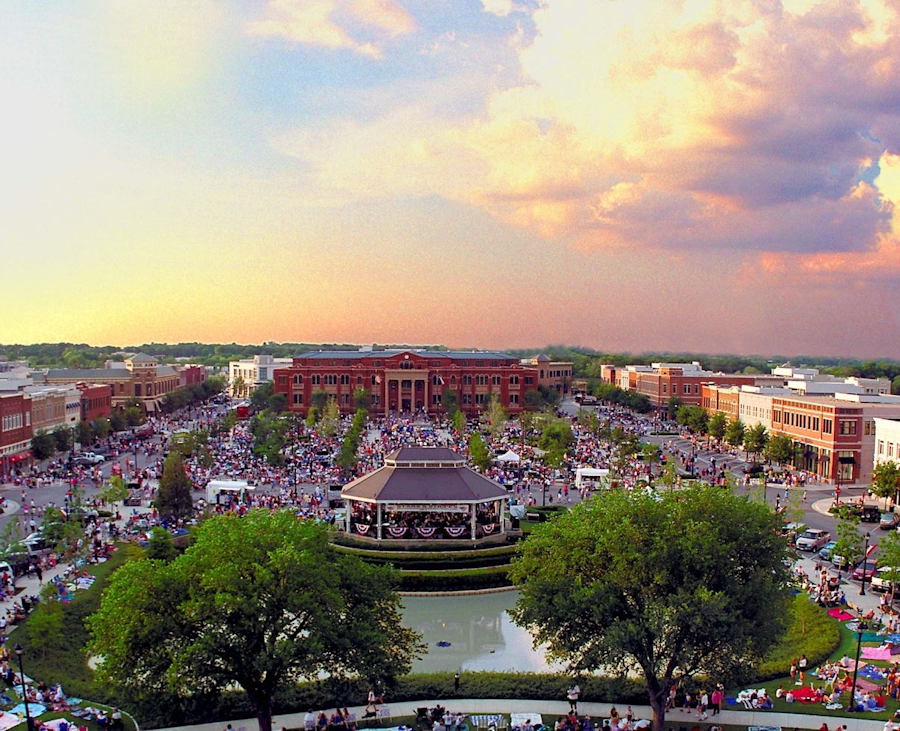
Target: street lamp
29 722
862 586
861 627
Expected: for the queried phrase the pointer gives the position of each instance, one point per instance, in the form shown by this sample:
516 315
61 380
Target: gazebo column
473 508
498 506
378 527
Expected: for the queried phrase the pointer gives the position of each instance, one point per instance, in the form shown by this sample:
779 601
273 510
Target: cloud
358 25
746 126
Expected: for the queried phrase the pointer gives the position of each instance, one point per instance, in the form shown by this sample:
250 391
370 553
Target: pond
478 633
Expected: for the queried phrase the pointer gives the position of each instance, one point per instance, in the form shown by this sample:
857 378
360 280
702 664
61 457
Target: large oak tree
256 601
666 587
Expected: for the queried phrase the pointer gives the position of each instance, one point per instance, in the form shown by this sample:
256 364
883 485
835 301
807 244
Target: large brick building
15 430
407 380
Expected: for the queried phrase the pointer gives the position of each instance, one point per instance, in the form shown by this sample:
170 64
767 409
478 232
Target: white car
813 539
881 580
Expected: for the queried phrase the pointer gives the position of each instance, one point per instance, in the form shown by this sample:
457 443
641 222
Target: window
880 446
513 380
316 380
298 398
435 399
481 380
826 426
513 399
467 380
890 449
345 398
345 380
495 380
359 380
847 427
529 380
665 388
298 379
687 388
374 381
467 398
480 398
330 379
406 365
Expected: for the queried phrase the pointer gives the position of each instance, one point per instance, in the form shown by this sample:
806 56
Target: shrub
458 580
810 631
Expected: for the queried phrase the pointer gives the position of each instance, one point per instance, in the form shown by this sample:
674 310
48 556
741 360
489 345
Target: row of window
15 421
805 421
331 379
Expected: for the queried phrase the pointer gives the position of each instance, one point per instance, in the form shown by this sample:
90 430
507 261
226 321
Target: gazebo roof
424 475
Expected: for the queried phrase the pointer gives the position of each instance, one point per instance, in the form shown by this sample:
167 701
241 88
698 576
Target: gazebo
424 493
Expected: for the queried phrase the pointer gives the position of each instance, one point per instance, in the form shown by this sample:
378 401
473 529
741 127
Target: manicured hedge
810 631
340 538
436 555
458 580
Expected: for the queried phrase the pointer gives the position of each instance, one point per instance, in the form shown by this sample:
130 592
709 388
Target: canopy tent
589 475
508 457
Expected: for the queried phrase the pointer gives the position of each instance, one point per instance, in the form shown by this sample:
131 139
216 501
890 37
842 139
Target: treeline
81 355
586 361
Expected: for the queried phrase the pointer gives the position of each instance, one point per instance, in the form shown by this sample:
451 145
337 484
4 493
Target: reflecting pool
479 631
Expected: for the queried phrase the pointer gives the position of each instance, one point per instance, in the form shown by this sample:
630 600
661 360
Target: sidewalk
551 710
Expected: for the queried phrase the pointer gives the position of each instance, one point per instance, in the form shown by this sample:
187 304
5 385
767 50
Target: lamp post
29 723
860 628
862 586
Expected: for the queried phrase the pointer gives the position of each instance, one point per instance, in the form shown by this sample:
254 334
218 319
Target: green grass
811 632
63 659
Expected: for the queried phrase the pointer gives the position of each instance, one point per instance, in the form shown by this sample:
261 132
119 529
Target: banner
396 531
455 531
426 531
362 528
489 528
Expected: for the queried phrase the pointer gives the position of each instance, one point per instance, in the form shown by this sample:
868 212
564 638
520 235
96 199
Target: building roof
142 358
423 454
424 485
88 374
381 354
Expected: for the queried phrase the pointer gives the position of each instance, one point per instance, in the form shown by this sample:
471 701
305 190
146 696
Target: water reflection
479 631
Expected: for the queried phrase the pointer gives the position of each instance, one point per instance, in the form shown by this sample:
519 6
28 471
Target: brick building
407 380
555 375
15 431
96 401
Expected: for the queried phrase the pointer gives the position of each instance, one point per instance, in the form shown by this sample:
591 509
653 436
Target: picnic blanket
35 709
8 720
851 664
864 684
873 673
804 694
54 724
877 653
879 637
840 614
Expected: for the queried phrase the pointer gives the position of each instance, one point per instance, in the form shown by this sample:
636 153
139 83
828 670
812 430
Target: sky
627 175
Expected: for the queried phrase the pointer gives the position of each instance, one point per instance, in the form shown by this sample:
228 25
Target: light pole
29 723
862 586
860 628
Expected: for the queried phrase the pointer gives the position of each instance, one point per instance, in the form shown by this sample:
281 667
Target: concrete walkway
551 710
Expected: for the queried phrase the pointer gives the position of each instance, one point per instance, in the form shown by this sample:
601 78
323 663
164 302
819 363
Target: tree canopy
687 582
886 480
258 602
173 498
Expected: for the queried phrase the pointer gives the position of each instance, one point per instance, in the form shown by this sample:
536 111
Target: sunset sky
620 174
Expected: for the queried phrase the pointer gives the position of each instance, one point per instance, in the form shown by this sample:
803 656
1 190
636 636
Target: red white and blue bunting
489 528
426 531
396 531
455 531
362 528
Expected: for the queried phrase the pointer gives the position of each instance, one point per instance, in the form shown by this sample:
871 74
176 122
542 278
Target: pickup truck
89 458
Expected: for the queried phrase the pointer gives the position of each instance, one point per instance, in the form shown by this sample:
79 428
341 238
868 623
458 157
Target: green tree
779 449
849 543
84 435
889 555
134 415
161 545
117 420
43 445
495 416
312 416
65 438
450 402
672 405
617 582
319 399
478 451
734 433
45 625
257 602
331 419
259 399
717 425
885 480
173 499
651 454
115 491
755 440
459 422
362 399
101 428
556 438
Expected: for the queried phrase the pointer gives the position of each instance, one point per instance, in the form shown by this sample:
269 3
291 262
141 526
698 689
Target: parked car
866 568
889 521
89 458
843 563
813 539
826 550
881 581
792 530
870 514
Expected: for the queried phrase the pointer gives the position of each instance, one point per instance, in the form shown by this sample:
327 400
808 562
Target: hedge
457 580
811 632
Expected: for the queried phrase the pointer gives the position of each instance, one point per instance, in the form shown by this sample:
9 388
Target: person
587 724
801 668
701 705
573 693
716 701
371 706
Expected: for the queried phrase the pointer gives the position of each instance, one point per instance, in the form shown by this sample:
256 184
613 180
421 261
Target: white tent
508 457
589 475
